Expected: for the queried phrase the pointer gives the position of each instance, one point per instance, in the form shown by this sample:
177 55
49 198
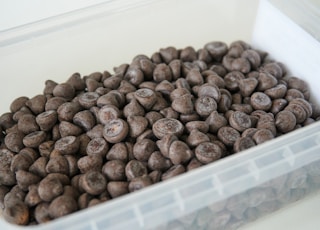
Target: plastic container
224 195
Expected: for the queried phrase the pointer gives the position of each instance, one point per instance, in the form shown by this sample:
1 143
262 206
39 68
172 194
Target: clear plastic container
224 195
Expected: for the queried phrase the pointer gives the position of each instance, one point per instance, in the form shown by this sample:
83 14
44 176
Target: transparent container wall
224 195
107 35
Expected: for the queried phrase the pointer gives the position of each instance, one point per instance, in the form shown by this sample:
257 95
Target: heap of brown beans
98 137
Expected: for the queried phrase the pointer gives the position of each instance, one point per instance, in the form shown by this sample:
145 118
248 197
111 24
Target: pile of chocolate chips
101 136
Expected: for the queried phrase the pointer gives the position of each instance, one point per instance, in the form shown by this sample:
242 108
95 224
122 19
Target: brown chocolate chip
232 80
27 124
97 147
93 182
162 72
228 135
277 92
137 125
84 119
67 110
278 105
37 104
241 64
266 81
273 68
243 143
115 130
216 49
216 121
146 97
14 141
41 213
118 152
167 126
240 121
247 86
138 183
34 139
262 135
114 170
67 145
202 126
134 169
194 77
285 121
89 163
205 105
183 104
143 149
54 103
168 54
253 57
61 206
260 101
208 152
88 99
173 171
117 188
16 212
179 152
157 161
196 137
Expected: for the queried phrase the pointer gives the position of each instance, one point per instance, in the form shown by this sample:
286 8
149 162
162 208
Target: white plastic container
235 190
